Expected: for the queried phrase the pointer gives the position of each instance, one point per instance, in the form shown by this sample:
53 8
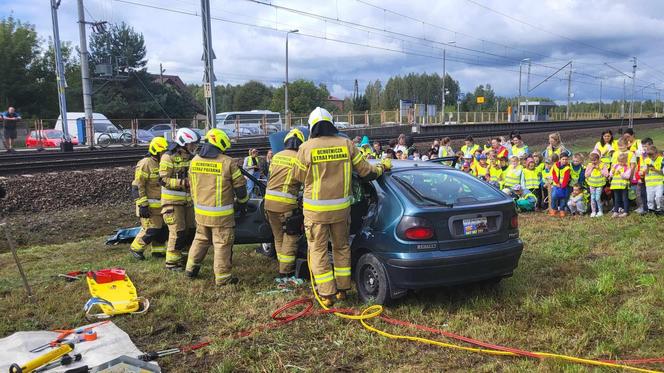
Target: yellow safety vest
532 178
466 150
574 175
513 176
518 151
605 158
618 182
652 178
496 174
596 179
547 175
479 170
614 158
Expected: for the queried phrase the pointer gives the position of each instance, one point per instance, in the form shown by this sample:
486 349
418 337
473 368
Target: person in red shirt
501 151
561 174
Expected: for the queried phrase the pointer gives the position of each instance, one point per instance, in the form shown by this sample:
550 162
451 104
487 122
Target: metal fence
35 133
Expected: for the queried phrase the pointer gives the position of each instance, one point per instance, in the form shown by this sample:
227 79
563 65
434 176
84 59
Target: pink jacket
626 171
589 170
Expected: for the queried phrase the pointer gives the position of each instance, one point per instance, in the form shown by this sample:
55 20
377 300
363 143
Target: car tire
371 280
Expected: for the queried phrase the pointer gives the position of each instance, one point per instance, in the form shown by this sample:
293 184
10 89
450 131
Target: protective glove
186 184
144 212
386 163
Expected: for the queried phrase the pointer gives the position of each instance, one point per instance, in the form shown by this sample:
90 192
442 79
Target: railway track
47 161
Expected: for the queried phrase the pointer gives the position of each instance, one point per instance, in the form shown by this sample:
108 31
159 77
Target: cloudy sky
343 40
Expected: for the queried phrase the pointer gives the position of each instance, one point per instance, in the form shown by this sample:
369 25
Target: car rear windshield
444 187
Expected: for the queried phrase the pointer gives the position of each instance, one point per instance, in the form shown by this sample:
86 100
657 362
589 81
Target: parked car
420 225
47 139
101 125
161 129
143 136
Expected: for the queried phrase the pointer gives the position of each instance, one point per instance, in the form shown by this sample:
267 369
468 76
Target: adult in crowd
555 147
605 147
519 148
266 164
445 150
10 119
401 144
501 151
252 166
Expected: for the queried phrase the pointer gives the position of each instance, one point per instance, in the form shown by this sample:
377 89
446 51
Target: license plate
474 226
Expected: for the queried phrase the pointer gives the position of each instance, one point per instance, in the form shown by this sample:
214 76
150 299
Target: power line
274 29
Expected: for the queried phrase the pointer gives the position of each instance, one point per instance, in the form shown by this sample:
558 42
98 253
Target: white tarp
111 342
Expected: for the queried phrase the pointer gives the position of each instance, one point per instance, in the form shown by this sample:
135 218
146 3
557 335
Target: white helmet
319 115
186 136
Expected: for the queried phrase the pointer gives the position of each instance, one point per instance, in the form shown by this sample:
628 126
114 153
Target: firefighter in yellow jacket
325 163
176 201
216 181
281 202
147 191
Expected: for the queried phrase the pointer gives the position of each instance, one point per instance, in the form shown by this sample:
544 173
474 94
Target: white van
249 121
100 122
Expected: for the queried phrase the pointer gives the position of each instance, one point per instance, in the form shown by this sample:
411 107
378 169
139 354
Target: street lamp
286 83
442 110
518 104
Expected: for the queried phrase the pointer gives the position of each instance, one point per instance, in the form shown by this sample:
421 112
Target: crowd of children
619 173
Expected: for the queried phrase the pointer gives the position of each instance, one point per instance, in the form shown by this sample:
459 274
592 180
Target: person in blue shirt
9 119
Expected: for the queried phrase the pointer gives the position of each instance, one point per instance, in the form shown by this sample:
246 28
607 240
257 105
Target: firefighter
176 200
324 166
146 189
216 180
281 203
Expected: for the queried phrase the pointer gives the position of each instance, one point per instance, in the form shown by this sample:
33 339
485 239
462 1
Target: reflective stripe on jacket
654 172
282 188
173 170
213 181
324 165
532 178
146 182
512 176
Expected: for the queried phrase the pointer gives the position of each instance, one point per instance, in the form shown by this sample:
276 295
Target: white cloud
243 52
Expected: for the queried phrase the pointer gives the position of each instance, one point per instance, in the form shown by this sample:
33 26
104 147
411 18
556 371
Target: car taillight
419 233
415 228
514 223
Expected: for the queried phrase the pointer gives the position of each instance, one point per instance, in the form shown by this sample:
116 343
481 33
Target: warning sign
335 153
480 99
202 167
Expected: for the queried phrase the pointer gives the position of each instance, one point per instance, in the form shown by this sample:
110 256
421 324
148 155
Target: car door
253 227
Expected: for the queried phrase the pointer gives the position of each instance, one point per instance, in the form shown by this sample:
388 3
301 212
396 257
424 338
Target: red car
47 139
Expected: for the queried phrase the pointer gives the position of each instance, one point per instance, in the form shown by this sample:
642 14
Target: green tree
120 46
303 97
19 46
252 95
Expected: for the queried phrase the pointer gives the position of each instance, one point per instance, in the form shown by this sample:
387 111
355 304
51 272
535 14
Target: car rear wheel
371 280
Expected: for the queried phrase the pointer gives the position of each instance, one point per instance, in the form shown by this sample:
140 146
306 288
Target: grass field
584 287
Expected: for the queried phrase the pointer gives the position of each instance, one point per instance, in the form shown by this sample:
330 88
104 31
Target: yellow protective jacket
146 184
282 188
213 184
173 172
325 167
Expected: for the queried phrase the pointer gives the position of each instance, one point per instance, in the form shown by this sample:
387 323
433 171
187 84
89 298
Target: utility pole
208 57
569 89
60 72
85 75
656 101
631 104
286 82
528 90
442 109
600 98
622 103
518 104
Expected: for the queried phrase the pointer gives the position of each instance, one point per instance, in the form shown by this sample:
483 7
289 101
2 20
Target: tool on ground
46 358
83 369
64 361
151 356
113 293
86 333
12 247
72 276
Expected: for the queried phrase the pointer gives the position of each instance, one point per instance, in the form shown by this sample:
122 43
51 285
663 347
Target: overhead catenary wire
329 38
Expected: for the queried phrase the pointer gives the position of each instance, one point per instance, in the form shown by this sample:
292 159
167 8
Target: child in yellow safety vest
524 199
576 171
481 168
596 174
513 174
620 175
496 174
547 182
533 178
654 179
577 202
